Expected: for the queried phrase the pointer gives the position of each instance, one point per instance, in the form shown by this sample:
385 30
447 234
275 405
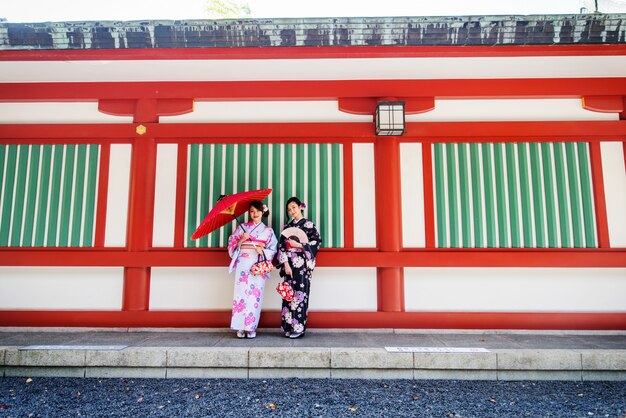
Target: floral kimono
302 262
248 295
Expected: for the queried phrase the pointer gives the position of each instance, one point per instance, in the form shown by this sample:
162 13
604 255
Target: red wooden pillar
389 221
136 295
140 215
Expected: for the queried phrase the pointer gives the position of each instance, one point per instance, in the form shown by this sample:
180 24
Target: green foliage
227 9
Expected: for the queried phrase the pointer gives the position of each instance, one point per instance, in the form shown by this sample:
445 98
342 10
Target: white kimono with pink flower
248 295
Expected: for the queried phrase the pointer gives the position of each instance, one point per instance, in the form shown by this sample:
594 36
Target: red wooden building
500 203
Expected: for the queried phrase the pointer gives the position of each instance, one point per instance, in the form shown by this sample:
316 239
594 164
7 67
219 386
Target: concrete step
529 356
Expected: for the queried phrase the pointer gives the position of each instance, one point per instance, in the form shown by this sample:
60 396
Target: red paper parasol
228 208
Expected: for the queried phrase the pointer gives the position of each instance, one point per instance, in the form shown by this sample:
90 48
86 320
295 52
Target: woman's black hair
295 200
258 205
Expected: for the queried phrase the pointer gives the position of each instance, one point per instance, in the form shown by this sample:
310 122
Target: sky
77 10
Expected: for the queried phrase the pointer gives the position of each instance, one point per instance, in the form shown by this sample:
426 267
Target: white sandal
241 334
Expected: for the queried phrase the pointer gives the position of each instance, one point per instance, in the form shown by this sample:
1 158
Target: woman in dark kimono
297 261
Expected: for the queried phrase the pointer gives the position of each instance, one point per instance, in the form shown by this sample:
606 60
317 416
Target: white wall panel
165 196
117 198
413 227
274 111
509 110
364 195
343 289
191 288
614 174
314 69
59 288
211 288
515 289
201 288
57 112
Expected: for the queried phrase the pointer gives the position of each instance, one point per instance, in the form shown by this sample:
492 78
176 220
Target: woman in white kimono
245 247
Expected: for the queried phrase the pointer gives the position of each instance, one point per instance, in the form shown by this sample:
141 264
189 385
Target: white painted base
211 288
61 288
515 289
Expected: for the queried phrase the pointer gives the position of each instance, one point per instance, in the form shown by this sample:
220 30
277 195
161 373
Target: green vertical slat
192 198
264 149
55 196
452 195
90 200
300 171
45 177
204 181
587 195
79 187
476 196
440 196
503 233
20 189
241 169
216 172
265 170
278 215
7 198
336 189
29 213
3 220
324 216
287 170
549 197
312 178
561 187
513 195
572 169
228 187
524 181
3 152
466 231
535 166
66 200
253 177
489 196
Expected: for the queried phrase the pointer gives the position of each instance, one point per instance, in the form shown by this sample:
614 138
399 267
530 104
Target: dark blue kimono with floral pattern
302 262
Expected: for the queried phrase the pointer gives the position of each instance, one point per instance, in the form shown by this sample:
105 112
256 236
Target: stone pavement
216 353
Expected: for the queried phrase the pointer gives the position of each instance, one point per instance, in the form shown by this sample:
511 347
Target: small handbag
285 291
262 266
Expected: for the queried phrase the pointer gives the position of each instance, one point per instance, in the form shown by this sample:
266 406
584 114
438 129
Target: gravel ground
64 397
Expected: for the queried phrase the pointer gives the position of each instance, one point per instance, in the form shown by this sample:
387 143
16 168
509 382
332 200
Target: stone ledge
206 373
456 361
290 358
339 363
31 371
129 372
369 358
604 360
61 358
538 360
209 357
337 373
284 373
129 357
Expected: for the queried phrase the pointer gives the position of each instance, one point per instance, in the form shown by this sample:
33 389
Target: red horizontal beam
587 131
328 258
271 319
313 52
315 89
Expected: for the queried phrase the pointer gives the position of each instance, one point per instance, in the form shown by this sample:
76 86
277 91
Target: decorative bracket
145 110
367 105
604 104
